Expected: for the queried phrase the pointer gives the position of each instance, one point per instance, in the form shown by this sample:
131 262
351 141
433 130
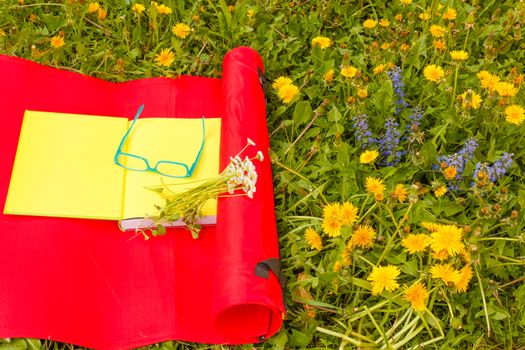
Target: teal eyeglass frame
189 169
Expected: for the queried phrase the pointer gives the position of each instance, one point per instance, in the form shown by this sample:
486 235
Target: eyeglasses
163 167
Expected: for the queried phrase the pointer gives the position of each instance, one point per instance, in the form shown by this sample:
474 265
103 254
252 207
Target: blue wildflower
412 129
362 131
496 171
396 77
389 142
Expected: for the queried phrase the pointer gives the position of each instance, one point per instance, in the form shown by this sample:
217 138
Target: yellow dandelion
446 273
332 227
346 258
405 2
332 219
231 8
368 156
505 89
514 114
322 42
384 277
374 185
379 69
437 31
165 58
348 213
465 275
93 7
415 243
138 8
363 237
57 41
404 47
398 17
102 14
447 238
440 191
470 100
424 16
439 44
362 92
441 255
433 73
383 22
163 9
400 193
337 266
250 13
281 81
370 23
450 14
181 30
313 239
459 55
348 71
288 92
431 226
450 172
329 76
417 295
487 80
465 255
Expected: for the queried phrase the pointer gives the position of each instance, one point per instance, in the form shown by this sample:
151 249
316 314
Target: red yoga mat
84 282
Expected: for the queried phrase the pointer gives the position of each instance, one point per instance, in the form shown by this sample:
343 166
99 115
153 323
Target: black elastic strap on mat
263 268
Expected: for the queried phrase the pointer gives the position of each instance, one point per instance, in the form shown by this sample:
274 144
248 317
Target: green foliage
316 154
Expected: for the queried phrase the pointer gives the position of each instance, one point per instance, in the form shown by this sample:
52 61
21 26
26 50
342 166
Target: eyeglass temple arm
119 149
200 149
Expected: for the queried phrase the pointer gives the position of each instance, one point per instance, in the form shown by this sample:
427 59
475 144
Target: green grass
315 151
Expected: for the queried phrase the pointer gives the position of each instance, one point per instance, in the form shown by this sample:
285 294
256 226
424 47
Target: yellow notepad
64 164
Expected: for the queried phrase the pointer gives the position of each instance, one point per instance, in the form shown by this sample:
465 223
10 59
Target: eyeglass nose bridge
188 171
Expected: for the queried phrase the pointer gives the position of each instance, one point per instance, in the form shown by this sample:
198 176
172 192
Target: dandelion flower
398 17
348 213
347 259
181 30
250 13
138 8
450 172
465 275
459 55
417 295
332 219
505 89
322 42
329 76
450 14
440 191
415 243
288 92
163 9
281 81
362 93
384 277
165 58
374 185
383 22
405 2
102 14
313 239
487 80
430 226
437 31
439 44
348 71
400 193
379 69
362 237
57 41
93 7
446 273
470 100
514 114
368 156
433 73
424 16
337 266
370 23
447 238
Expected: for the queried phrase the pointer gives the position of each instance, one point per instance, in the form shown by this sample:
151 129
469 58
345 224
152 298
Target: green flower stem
344 337
390 242
361 217
485 308
448 302
455 85
298 175
379 329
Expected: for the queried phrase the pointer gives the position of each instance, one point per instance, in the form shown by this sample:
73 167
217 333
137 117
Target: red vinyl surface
84 282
